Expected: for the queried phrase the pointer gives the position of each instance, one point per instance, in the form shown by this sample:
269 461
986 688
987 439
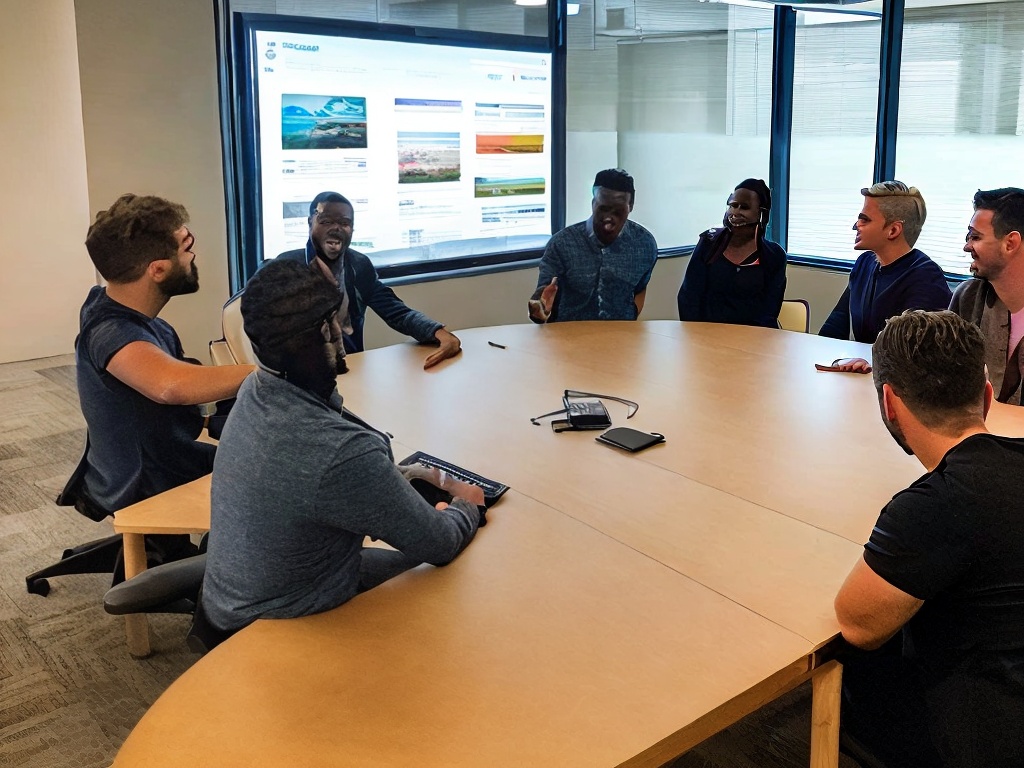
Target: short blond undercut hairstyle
898 202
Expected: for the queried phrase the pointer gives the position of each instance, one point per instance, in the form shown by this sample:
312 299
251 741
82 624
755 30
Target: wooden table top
612 601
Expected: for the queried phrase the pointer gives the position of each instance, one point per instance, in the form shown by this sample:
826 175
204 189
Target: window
676 93
835 99
961 121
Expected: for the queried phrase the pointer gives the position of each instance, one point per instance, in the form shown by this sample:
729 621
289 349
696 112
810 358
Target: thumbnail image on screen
322 122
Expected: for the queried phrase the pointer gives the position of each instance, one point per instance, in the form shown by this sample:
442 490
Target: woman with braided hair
735 275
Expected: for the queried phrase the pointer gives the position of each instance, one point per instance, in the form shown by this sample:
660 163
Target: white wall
43 195
152 126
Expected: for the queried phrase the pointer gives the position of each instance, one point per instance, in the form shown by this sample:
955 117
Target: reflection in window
678 94
835 99
961 121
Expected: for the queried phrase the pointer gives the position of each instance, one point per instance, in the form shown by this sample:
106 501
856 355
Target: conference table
618 608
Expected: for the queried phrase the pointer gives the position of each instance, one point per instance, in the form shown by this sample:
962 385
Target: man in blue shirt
597 269
890 276
331 223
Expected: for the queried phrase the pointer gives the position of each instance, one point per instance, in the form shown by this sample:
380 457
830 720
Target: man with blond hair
890 275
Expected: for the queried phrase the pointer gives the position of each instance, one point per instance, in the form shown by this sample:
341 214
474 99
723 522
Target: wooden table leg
826 694
136 624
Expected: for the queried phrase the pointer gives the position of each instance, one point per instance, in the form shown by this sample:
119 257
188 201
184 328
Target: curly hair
134 231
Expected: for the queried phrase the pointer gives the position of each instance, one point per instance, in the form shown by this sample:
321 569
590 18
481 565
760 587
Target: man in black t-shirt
138 392
944 564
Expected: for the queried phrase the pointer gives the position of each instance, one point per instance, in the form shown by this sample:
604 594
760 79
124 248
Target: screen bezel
241 128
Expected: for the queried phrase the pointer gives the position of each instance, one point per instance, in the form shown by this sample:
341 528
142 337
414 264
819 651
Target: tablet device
631 440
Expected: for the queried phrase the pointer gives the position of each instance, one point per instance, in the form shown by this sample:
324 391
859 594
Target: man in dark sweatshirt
298 483
890 276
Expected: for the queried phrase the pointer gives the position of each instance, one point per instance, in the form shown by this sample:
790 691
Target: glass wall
961 121
835 99
679 94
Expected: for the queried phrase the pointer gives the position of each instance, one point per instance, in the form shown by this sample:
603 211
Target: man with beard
597 269
139 393
331 223
299 482
938 594
995 301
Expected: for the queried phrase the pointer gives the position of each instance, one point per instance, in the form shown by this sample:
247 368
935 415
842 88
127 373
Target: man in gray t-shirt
298 483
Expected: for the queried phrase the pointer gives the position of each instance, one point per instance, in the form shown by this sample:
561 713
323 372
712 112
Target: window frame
235 100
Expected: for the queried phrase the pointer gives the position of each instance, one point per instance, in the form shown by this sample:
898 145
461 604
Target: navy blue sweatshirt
876 293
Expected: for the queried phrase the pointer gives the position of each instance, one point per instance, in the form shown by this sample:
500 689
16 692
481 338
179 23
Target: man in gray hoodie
298 482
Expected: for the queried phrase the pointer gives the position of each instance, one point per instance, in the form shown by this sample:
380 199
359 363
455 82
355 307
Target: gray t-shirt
296 488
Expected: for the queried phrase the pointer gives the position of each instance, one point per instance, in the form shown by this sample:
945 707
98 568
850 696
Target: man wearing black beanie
597 269
298 482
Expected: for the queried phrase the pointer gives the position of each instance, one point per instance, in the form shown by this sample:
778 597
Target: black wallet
631 440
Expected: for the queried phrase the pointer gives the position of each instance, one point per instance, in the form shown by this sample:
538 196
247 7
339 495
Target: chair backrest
795 315
73 494
235 347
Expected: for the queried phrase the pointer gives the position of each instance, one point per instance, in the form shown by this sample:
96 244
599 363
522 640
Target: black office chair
104 555
99 556
170 588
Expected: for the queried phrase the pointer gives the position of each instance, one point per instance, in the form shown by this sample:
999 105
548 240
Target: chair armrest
157 588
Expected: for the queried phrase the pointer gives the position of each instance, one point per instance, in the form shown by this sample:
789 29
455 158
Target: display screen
444 150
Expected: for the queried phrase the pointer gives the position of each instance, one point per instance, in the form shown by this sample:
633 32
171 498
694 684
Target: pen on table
496 344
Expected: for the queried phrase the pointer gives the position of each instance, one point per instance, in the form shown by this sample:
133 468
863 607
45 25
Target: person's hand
450 347
457 488
540 309
847 365
412 472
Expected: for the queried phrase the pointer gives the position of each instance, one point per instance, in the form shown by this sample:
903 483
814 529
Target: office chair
104 555
795 315
234 347
99 556
170 588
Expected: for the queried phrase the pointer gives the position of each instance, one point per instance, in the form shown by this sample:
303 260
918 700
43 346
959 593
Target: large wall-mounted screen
446 148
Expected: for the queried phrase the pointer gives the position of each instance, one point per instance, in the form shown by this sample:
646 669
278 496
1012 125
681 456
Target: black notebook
631 440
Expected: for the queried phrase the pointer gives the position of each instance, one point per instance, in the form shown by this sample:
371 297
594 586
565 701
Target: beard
181 281
314 367
897 435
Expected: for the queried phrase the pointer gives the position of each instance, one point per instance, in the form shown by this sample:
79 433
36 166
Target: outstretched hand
450 346
847 365
540 309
